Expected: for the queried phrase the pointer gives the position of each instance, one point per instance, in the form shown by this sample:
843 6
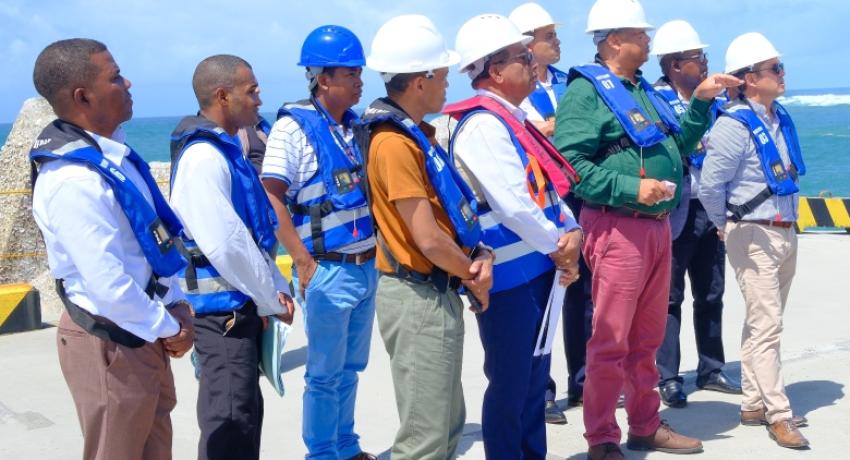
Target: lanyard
347 148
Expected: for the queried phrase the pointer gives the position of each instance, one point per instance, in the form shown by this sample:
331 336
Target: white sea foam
816 100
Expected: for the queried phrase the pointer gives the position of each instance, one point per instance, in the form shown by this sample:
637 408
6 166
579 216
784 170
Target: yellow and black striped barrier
19 308
823 213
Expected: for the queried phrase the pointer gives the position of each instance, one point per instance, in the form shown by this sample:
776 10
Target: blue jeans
339 310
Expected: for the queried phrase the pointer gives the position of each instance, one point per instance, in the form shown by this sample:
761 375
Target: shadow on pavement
294 359
812 395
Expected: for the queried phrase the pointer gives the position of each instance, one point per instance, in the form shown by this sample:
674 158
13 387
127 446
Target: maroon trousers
630 259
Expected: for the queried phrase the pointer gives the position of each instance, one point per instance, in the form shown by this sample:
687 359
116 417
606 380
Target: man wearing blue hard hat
315 180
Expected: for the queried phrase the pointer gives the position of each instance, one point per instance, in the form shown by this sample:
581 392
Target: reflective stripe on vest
781 180
330 210
202 283
638 125
153 226
517 262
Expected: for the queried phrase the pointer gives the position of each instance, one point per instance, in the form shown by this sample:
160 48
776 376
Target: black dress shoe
575 400
363 456
719 381
672 394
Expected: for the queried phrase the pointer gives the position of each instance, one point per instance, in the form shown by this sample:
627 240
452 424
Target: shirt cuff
700 105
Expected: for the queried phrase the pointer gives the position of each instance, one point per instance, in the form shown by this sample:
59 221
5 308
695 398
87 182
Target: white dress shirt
91 245
485 149
201 199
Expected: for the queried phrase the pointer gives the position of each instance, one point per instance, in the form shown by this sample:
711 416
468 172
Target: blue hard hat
332 46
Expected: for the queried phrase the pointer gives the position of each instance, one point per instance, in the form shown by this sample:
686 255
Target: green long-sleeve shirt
585 128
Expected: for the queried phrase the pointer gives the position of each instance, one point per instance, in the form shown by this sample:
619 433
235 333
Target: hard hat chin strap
312 75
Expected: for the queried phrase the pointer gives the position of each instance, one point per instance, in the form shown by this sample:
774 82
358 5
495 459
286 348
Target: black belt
358 259
628 212
438 279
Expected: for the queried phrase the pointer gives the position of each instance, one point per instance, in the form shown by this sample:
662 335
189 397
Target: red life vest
556 168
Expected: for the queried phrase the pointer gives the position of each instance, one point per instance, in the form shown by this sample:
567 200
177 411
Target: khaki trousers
764 259
423 334
123 395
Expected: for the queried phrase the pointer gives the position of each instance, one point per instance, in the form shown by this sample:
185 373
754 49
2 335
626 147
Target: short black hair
64 64
400 82
215 72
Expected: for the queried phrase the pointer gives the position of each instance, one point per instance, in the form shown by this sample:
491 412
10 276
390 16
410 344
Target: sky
158 43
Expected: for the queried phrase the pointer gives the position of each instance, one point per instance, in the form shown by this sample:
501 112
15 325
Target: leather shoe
606 451
672 394
363 456
759 417
719 381
665 440
554 414
574 400
787 435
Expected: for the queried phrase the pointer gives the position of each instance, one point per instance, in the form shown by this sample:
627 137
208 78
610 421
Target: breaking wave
816 100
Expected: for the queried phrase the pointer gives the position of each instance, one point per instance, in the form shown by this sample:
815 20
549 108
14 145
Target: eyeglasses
524 58
776 68
702 58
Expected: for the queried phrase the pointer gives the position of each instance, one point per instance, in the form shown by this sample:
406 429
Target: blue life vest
696 158
639 127
202 283
540 99
454 194
330 210
517 263
780 180
155 227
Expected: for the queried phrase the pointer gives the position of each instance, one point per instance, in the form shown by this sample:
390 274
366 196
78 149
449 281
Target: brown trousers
123 395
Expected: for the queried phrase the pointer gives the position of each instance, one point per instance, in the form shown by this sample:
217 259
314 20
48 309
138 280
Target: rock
444 125
22 252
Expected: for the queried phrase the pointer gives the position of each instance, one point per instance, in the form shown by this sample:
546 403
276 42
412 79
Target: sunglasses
776 68
524 58
701 58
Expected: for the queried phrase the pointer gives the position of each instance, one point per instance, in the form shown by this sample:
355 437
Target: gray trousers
423 334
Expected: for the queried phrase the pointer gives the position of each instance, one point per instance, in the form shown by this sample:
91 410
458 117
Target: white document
546 336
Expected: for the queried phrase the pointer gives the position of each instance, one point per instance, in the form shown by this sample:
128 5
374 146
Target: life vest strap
740 210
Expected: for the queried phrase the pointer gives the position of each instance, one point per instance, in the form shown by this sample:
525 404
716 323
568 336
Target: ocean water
822 118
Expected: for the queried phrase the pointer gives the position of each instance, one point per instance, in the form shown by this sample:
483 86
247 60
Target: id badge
778 170
468 216
344 180
637 119
163 238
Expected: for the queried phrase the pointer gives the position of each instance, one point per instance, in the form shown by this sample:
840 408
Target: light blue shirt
732 170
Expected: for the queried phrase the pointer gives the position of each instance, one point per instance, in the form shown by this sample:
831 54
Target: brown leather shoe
759 417
665 440
606 451
787 435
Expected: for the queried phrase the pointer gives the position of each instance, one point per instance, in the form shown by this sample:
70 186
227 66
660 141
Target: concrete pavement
37 418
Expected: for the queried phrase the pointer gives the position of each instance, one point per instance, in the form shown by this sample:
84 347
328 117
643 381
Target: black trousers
577 317
699 252
230 404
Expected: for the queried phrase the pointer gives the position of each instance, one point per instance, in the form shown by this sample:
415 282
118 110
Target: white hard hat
674 37
748 49
529 17
485 34
616 14
407 44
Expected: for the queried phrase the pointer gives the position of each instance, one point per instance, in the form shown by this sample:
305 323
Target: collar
113 148
548 79
761 111
638 73
517 112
